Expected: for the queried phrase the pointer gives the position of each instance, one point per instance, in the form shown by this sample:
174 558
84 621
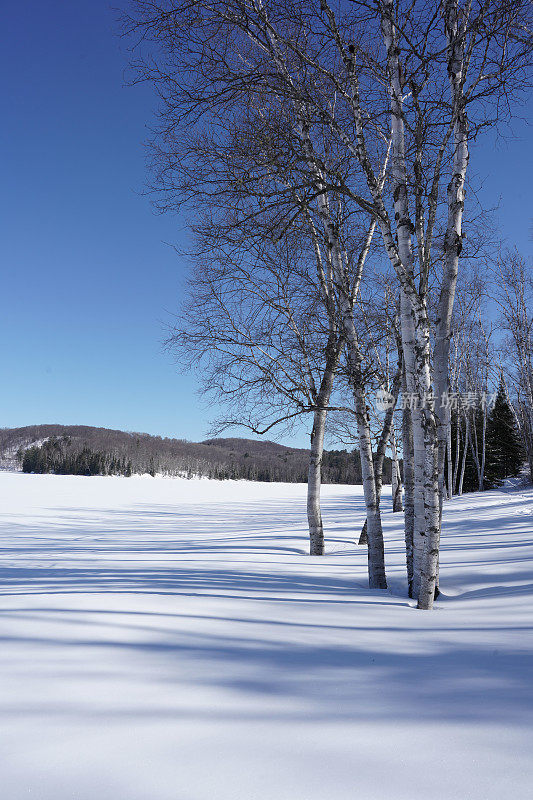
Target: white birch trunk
376 551
416 345
396 479
314 514
457 453
386 436
452 250
411 397
475 447
450 480
465 450
408 480
483 449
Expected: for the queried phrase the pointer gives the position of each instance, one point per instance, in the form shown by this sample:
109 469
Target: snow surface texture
170 640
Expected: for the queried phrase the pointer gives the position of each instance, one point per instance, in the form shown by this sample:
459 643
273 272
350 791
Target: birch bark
376 550
396 480
314 514
408 480
416 345
465 450
449 477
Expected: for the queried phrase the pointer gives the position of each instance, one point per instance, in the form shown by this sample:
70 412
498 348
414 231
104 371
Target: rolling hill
83 449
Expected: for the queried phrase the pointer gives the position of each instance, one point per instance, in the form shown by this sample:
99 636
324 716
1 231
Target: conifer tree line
57 456
321 154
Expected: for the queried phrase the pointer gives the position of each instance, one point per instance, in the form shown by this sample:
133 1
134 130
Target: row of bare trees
321 146
514 298
491 348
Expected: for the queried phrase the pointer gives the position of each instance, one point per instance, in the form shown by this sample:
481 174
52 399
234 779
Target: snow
165 639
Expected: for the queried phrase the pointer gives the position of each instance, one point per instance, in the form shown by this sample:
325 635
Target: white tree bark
455 23
396 479
449 477
416 346
408 480
314 514
465 450
376 550
457 453
412 399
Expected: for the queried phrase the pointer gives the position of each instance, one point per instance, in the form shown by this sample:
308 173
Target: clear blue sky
88 282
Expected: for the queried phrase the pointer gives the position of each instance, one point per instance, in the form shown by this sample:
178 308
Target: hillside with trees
85 450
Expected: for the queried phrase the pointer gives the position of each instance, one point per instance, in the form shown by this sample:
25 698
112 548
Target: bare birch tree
261 321
441 74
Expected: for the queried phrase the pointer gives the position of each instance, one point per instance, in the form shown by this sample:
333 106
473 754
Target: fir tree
504 448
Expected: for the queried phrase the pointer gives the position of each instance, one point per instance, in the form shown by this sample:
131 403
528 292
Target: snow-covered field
170 640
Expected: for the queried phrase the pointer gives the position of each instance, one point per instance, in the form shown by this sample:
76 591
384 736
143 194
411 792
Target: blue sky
88 281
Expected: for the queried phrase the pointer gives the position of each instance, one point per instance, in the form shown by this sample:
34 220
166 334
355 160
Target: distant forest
84 450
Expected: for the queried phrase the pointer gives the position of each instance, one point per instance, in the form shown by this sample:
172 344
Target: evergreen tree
504 448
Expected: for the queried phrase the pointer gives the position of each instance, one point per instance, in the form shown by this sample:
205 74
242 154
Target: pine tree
504 448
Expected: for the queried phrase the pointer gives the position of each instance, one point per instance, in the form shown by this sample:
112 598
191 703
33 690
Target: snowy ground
170 640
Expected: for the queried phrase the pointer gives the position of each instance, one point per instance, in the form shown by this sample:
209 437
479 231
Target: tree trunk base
363 536
430 606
